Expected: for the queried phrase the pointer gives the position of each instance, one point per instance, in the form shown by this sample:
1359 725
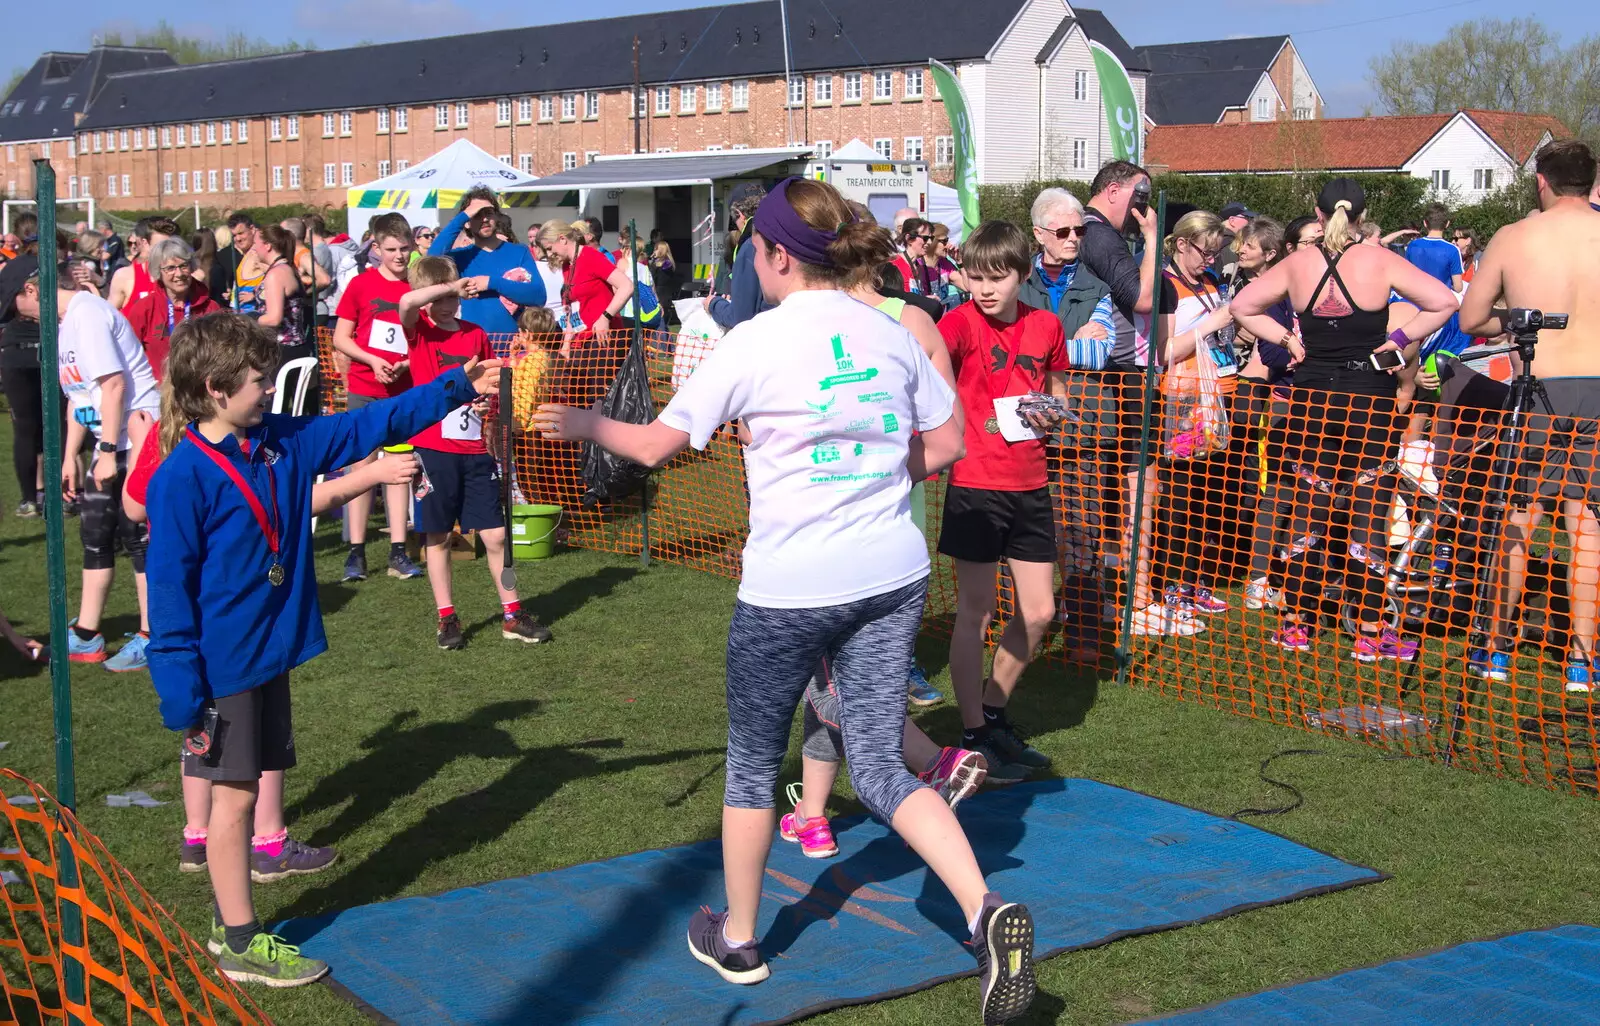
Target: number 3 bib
462 425
386 337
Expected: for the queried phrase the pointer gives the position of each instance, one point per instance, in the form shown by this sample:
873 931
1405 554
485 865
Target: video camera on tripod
1521 321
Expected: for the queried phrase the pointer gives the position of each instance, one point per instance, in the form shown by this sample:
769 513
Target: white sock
734 944
972 924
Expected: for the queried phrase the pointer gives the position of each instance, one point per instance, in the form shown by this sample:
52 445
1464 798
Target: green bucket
533 531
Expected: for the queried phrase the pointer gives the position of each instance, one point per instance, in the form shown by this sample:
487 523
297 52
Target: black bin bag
606 476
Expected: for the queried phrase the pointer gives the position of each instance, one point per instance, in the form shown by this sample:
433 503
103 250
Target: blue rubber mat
604 942
1545 976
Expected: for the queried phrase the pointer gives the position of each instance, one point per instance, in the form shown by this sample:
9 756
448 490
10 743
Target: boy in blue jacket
233 591
496 268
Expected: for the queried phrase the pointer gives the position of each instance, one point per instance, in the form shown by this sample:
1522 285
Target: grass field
434 770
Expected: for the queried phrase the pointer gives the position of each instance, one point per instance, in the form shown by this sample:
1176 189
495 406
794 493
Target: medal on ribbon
269 525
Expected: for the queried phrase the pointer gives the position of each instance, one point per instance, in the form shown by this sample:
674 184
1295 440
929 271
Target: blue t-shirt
1438 257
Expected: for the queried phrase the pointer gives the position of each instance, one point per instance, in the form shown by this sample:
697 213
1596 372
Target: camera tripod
1511 432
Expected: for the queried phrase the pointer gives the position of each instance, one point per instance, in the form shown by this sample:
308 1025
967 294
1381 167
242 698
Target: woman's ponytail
1337 234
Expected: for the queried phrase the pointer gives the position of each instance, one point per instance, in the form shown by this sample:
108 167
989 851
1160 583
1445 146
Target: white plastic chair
304 369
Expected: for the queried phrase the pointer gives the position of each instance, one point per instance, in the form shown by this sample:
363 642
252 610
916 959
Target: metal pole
788 106
637 342
56 567
1124 655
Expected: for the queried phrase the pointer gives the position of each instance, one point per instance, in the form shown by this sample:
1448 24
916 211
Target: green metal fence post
1131 571
56 568
637 342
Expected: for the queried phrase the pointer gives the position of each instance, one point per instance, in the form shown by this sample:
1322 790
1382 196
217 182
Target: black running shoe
450 637
524 627
1004 946
736 965
191 857
1012 746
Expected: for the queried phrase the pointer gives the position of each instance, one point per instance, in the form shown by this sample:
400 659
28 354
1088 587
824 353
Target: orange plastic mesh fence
138 965
1243 486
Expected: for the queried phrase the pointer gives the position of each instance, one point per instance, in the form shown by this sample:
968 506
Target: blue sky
1336 37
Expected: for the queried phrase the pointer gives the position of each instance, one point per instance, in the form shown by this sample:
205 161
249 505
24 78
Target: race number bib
386 337
571 320
462 425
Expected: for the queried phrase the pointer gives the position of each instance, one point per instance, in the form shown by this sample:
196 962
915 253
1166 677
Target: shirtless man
132 283
1552 263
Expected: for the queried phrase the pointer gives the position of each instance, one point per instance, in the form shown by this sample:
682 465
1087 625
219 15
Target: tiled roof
1099 28
1252 54
1517 134
1197 97
1340 144
726 41
48 99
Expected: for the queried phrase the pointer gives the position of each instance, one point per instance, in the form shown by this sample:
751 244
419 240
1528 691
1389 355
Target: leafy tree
189 50
1516 65
16 76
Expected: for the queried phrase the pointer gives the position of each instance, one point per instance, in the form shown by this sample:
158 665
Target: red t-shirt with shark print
372 302
994 360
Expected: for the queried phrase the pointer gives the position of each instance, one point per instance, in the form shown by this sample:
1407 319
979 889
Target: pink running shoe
1368 648
1293 637
956 774
815 836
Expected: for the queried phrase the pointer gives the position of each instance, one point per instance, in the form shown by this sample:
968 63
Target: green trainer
219 937
270 961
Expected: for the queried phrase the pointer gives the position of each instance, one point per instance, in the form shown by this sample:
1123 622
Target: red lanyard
268 528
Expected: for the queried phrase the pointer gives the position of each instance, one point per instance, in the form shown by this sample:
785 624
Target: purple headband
778 223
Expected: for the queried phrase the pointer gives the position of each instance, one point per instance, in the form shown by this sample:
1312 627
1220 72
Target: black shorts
1560 455
102 525
986 526
1123 406
466 491
255 733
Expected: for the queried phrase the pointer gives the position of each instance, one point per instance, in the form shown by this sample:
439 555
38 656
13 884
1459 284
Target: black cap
1342 190
13 276
1236 209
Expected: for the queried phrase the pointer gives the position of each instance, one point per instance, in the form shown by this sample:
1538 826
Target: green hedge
1393 200
213 216
1511 203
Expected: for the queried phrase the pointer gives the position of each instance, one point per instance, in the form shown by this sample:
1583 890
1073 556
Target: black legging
24 394
1349 424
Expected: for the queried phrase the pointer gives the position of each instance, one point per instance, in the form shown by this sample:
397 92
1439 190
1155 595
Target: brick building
303 127
1228 81
39 117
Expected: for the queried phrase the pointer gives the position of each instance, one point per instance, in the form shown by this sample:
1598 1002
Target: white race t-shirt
96 341
553 283
831 390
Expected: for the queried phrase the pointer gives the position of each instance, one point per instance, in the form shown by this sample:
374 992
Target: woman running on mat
830 392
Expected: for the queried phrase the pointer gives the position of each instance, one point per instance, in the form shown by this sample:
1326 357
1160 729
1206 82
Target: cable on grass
1299 796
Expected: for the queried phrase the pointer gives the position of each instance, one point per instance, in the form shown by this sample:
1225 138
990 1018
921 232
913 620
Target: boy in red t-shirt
369 333
465 477
997 505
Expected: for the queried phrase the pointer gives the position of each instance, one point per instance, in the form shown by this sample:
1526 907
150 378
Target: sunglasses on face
1067 231
924 238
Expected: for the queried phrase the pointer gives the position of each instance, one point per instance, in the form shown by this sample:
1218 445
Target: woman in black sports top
1344 405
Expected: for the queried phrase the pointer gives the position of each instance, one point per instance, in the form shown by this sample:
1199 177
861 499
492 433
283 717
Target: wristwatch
110 447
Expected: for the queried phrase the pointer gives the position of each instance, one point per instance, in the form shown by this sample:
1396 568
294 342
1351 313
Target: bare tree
1516 65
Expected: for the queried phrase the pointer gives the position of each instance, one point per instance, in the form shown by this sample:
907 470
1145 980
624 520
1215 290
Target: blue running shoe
400 566
355 567
1580 675
91 651
131 657
919 691
1490 665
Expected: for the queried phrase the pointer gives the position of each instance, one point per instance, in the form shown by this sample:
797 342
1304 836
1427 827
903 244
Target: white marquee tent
422 191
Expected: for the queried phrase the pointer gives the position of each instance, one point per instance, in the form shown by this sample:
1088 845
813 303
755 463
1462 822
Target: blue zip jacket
485 309
747 300
218 626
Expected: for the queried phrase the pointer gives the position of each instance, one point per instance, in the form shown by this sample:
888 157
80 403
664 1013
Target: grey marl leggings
773 654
